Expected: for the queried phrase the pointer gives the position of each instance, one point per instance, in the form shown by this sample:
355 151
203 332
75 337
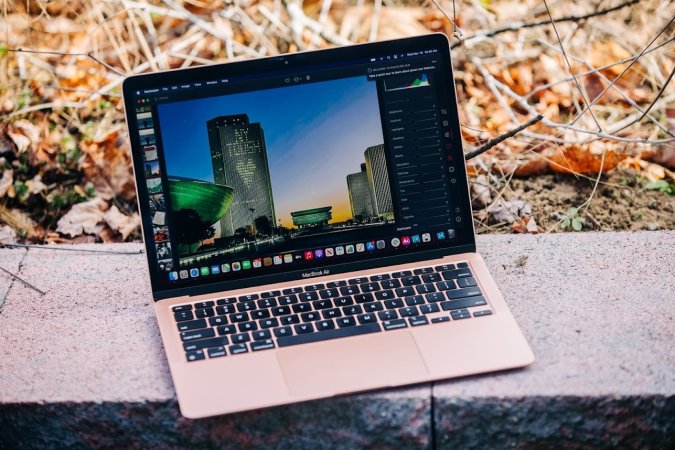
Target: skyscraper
360 198
239 159
378 179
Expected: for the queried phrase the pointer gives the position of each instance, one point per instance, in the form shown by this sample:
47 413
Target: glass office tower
360 198
378 179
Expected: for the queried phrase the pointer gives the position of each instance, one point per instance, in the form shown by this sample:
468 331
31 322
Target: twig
501 138
520 25
89 55
456 32
569 67
658 95
64 249
16 277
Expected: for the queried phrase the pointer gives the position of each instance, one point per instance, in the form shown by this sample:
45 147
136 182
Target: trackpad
352 364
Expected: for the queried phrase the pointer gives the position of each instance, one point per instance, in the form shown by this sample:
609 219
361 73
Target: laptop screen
298 166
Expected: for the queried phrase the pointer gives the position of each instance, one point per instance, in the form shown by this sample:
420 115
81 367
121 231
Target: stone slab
11 261
598 310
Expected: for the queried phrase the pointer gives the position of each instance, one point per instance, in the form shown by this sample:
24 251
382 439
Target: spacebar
285 341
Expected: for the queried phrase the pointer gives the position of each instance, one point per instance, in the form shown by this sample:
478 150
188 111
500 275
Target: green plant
661 186
573 219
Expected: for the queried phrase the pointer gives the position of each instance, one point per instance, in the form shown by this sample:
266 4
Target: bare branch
502 137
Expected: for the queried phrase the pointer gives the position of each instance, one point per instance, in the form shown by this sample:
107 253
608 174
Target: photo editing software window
298 170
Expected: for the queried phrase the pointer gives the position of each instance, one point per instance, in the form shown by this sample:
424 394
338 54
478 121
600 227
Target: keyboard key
267 303
425 288
290 320
430 308
262 345
248 297
181 308
393 304
205 343
446 285
323 325
310 316
238 348
182 316
239 317
349 290
384 276
329 293
461 293
440 319
385 295
364 298
225 309
246 306
226 329
431 277
462 264
328 334
359 280
370 287
404 291
314 287
283 331
308 296
351 310
248 326
394 324
434 297
463 303
218 320
366 318
334 284
302 328
293 290
485 312
388 315
281 310
410 281
216 352
322 304
197 334
240 338
466 282
403 273
390 284
195 356
331 313
417 321
423 270
204 304
302 307
343 322
445 267
204 312
191 325
457 273
343 301
260 314
372 307
261 335
269 323
460 314
289 299
409 311
414 300
270 294
226 301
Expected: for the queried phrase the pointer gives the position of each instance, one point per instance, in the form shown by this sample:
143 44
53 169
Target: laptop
308 227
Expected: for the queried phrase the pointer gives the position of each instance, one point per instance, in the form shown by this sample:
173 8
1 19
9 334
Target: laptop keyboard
318 312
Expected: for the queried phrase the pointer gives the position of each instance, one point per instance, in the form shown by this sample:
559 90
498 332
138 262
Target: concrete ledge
83 365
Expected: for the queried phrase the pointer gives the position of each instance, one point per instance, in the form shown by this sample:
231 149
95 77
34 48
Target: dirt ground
620 202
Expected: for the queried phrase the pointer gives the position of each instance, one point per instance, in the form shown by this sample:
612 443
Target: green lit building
315 217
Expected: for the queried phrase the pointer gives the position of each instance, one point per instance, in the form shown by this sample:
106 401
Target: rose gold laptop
308 227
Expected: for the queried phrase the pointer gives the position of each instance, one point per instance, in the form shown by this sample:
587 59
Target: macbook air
308 228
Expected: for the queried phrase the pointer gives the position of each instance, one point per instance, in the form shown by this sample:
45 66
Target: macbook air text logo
315 273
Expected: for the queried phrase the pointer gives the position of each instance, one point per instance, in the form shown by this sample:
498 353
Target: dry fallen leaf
580 159
6 182
121 223
83 218
509 210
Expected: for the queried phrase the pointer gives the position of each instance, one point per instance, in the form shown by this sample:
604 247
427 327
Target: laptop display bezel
285 62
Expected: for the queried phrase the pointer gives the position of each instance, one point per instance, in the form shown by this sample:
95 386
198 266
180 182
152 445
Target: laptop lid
297 166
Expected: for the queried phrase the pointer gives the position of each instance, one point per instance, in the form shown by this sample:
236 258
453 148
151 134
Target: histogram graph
421 81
